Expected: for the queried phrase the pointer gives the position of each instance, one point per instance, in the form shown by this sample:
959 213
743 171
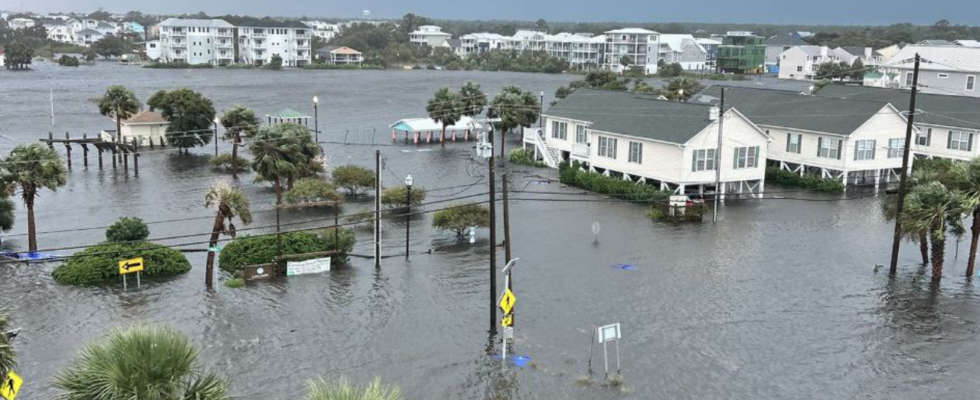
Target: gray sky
759 11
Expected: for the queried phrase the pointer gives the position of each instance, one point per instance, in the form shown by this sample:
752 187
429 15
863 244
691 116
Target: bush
322 390
310 190
252 250
460 217
98 264
274 64
223 161
177 65
355 179
572 175
239 66
525 157
66 61
655 214
235 283
397 196
807 181
341 66
127 229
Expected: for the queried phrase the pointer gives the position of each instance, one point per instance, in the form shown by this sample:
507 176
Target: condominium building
428 35
197 41
323 30
742 52
581 51
258 42
635 47
479 43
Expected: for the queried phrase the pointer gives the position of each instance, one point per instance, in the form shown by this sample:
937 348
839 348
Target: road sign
507 301
10 385
130 266
508 320
609 333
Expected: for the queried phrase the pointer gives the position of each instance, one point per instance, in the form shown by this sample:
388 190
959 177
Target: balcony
580 151
258 34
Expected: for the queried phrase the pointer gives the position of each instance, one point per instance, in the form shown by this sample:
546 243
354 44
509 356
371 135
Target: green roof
944 110
288 113
796 111
873 75
634 114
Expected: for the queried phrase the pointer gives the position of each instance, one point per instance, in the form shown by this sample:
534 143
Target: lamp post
216 122
680 95
811 89
316 119
408 219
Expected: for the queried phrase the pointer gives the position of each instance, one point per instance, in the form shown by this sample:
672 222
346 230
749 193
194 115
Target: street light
811 89
216 122
680 94
408 219
316 119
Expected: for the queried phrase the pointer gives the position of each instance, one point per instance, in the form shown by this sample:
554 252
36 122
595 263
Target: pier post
114 161
85 150
136 159
100 157
125 158
51 140
68 148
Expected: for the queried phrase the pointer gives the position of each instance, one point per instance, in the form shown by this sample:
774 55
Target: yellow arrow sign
508 320
130 266
10 385
507 301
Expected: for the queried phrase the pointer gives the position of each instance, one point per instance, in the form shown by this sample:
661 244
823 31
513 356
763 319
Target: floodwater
779 299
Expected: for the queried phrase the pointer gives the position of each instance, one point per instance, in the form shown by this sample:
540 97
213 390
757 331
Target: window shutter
840 148
929 137
857 149
755 163
949 139
819 145
789 138
969 143
694 161
735 160
874 148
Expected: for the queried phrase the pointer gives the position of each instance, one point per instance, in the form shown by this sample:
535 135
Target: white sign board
314 266
609 333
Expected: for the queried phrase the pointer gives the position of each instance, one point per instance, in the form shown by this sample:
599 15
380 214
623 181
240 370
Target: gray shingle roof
634 114
793 110
197 23
953 111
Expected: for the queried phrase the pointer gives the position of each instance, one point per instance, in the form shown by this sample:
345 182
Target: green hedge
177 65
252 250
341 66
525 157
572 175
807 181
99 263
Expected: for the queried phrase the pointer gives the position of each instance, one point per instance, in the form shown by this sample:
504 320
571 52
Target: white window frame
559 130
896 147
864 150
960 140
794 143
829 148
923 140
971 83
746 157
636 153
908 79
704 160
607 147
580 136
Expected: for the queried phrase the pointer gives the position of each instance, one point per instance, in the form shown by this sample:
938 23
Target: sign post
609 333
506 304
10 385
133 265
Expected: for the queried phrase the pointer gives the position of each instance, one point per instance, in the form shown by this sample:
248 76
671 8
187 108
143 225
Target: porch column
762 189
877 179
722 191
681 189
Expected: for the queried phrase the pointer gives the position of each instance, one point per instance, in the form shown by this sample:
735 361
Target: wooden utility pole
903 184
493 239
717 160
377 209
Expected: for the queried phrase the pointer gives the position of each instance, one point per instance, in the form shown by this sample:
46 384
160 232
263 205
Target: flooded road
779 299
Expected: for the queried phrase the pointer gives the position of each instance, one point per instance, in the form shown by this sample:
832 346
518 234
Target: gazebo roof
288 113
428 124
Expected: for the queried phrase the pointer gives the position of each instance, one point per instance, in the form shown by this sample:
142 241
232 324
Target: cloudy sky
760 11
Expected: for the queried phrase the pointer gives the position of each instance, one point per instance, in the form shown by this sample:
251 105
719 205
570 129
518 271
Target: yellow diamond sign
508 320
507 301
10 385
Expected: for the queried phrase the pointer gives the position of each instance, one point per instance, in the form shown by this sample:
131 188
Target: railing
580 150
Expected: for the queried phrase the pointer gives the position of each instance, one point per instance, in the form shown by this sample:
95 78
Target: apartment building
429 35
636 46
197 41
323 30
258 42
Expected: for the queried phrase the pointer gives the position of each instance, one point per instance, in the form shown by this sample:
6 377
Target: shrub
807 181
275 63
177 65
223 161
98 264
235 283
322 390
252 250
397 196
239 66
525 157
355 179
127 229
66 61
655 214
309 190
572 175
342 66
460 217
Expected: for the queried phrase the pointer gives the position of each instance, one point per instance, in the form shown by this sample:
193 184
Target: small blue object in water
521 361
625 267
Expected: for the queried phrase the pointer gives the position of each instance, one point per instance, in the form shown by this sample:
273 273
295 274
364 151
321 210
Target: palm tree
6 213
970 183
29 168
140 362
273 158
936 209
342 390
308 153
119 103
446 108
6 351
514 107
236 121
229 203
925 171
472 99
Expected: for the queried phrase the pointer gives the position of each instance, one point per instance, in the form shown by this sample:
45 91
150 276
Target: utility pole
493 239
377 209
408 216
541 114
903 184
216 121
721 129
507 257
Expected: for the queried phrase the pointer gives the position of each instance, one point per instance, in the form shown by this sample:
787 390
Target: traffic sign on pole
507 301
10 385
130 266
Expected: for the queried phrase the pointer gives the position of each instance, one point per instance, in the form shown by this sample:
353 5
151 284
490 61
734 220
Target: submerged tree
353 178
229 203
119 103
237 121
190 116
445 107
30 168
459 218
472 100
937 210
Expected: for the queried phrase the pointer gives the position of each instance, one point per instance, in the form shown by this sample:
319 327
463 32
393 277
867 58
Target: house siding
954 84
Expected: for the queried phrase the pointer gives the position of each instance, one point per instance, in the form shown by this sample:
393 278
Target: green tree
18 56
113 46
276 156
682 88
30 168
7 356
541 25
275 63
159 363
312 190
191 116
460 217
127 229
397 196
472 99
342 390
935 209
445 108
66 61
119 103
229 203
515 107
970 183
353 178
410 23
626 61
237 121
857 70
6 212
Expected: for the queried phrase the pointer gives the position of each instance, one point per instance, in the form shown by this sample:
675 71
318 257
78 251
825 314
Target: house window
896 147
704 160
864 150
960 141
559 130
746 157
923 140
794 143
580 136
799 68
636 153
971 82
908 79
942 76
607 147
828 147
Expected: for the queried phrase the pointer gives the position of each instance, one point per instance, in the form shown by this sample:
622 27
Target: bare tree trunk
215 232
234 155
442 136
31 229
924 247
277 186
974 241
938 252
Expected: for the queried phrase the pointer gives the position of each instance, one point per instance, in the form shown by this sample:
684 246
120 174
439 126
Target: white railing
580 150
